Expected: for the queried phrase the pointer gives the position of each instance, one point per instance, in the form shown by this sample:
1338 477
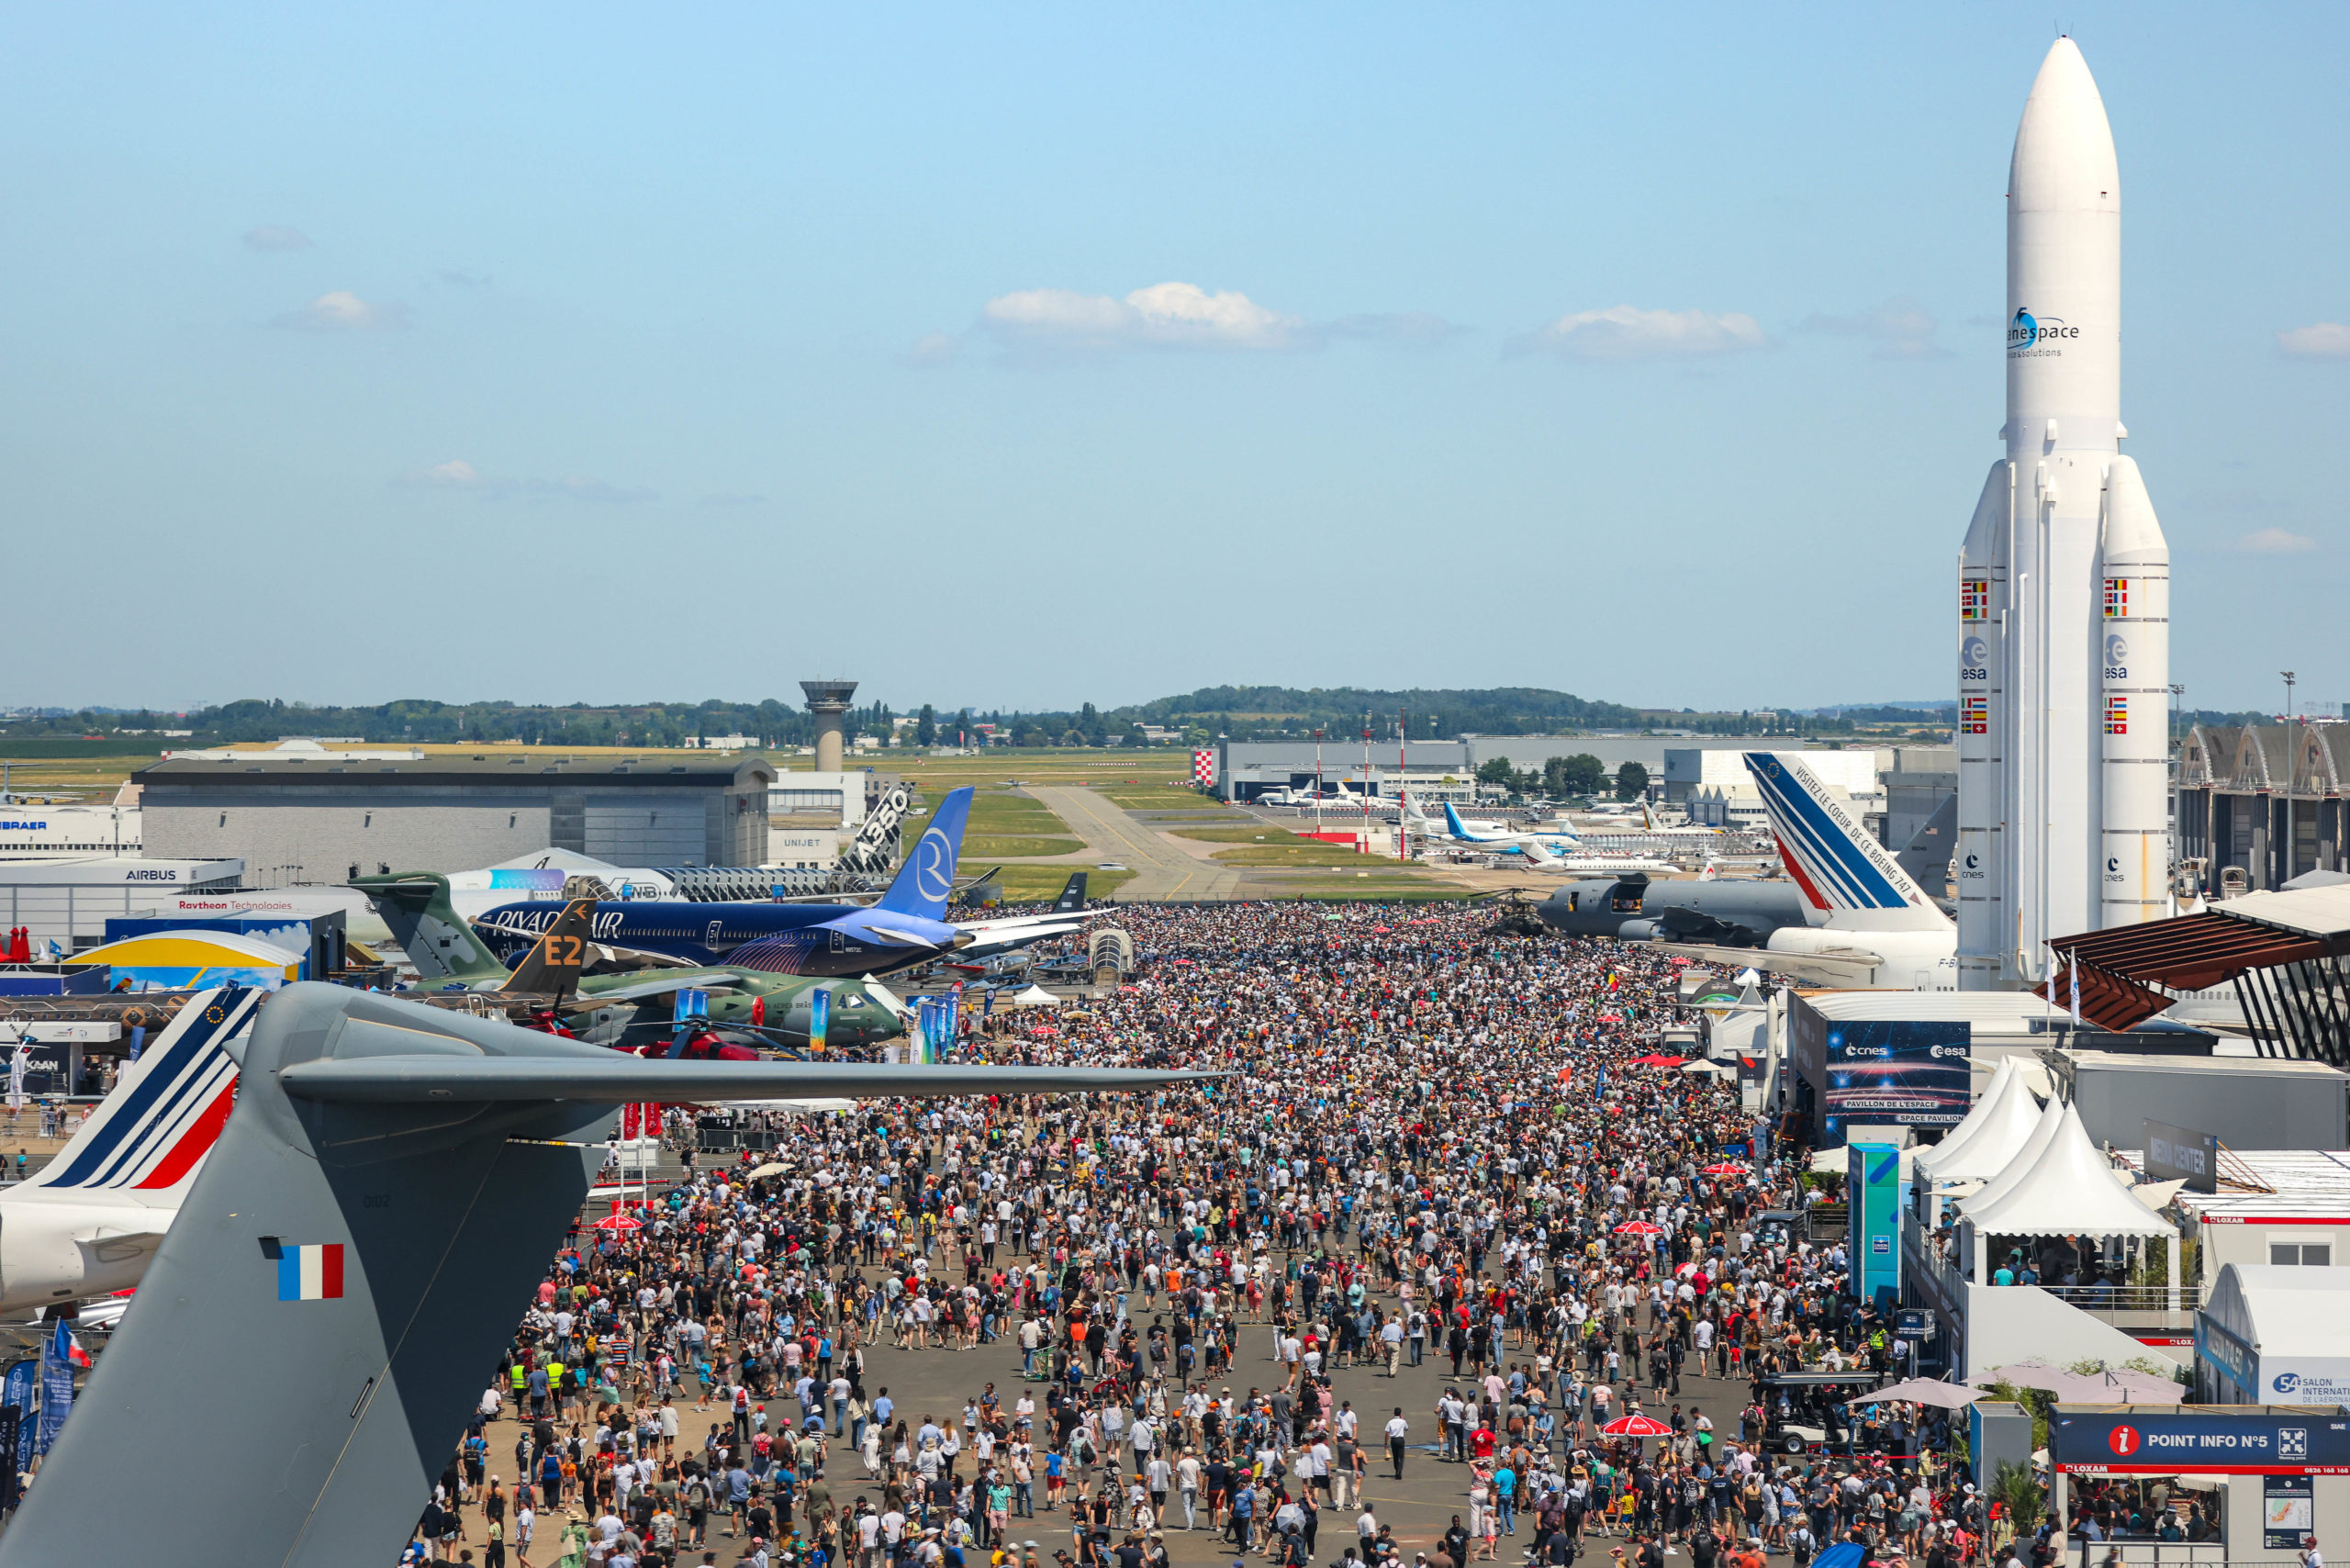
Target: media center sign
2162 1440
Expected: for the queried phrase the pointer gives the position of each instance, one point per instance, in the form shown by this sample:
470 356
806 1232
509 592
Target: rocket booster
2063 581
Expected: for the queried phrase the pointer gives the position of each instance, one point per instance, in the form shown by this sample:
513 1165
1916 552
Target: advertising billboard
2157 1440
2182 1154
1883 1073
1873 1186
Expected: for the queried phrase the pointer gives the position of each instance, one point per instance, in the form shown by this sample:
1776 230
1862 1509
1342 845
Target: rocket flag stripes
310 1273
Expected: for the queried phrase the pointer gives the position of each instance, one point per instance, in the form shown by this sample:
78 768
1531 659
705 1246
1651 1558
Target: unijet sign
2159 1440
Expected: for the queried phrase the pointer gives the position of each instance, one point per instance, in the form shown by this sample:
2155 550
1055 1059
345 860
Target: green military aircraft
447 955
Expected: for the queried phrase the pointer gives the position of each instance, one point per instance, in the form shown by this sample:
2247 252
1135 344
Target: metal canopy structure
2283 951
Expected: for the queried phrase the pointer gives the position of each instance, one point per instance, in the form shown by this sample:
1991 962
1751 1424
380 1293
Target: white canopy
1997 1132
1996 1183
1035 996
1959 1136
2068 1190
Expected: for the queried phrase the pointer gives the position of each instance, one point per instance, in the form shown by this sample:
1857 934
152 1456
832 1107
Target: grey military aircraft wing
303 1354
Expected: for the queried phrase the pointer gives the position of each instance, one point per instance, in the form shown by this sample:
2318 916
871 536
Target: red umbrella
619 1221
1727 1167
1639 1228
1636 1426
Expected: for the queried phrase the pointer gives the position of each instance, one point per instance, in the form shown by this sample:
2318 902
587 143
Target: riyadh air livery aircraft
87 1224
908 927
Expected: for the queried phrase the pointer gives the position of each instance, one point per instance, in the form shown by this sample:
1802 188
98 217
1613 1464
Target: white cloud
1165 315
343 312
459 474
276 237
2277 542
933 349
2325 340
1901 327
1627 332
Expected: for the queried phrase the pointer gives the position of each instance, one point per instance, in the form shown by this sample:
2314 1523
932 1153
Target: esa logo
2117 657
2030 332
1973 659
1937 1052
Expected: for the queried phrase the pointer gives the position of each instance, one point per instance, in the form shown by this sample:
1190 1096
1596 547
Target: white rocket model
2063 583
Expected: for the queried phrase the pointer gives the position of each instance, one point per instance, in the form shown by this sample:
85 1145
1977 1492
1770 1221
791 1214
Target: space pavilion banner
1884 1073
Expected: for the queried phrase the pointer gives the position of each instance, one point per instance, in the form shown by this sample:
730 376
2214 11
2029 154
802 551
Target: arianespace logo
2029 331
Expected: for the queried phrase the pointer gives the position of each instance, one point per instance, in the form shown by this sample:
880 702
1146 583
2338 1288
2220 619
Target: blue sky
1035 355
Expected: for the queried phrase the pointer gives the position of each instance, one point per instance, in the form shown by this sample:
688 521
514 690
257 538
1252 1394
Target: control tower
828 699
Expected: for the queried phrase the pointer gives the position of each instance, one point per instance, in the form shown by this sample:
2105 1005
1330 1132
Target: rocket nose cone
2063 146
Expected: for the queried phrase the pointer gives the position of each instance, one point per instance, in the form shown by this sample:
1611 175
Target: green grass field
996 846
1176 797
1036 884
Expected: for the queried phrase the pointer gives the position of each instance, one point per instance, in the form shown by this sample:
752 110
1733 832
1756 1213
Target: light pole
2288 694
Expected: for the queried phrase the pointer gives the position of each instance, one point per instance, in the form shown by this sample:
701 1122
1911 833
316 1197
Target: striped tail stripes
151 1133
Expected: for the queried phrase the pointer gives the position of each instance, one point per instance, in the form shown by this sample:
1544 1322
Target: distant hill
1494 710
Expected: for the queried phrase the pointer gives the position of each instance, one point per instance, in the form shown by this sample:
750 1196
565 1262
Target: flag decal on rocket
1974 714
1974 600
2117 715
2117 597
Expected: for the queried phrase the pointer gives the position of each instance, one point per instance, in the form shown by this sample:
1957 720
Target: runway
1162 871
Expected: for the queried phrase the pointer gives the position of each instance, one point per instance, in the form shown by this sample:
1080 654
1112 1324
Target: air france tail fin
1072 899
559 956
150 1137
928 874
426 925
1839 868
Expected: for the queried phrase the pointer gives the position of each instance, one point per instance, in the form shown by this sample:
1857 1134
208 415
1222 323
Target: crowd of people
1433 1143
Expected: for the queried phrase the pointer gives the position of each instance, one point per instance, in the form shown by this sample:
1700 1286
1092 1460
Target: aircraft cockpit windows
1574 902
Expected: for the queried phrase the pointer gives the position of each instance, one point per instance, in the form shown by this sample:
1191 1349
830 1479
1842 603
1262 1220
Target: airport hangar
314 820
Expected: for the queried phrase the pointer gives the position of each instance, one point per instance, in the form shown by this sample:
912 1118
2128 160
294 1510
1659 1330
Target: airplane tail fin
928 874
1928 857
1839 868
1452 822
426 925
1072 899
369 1224
559 956
1648 818
1536 854
148 1136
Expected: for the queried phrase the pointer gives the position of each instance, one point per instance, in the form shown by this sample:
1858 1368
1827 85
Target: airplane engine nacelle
1637 930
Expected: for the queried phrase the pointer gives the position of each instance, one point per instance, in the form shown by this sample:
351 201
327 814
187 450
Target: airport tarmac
1419 1508
1164 873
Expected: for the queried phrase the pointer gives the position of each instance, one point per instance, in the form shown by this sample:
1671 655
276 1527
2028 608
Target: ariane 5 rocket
2063 590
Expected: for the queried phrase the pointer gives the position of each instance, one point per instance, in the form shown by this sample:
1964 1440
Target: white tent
2052 1115
2272 1334
1035 996
1999 1130
1959 1136
2069 1190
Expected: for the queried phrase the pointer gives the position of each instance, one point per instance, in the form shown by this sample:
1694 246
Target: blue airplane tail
1452 820
928 874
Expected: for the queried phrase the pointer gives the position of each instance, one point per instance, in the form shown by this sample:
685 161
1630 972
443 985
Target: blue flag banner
59 1355
16 1389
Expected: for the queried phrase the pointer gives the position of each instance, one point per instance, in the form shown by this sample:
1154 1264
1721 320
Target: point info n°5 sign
2233 1439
